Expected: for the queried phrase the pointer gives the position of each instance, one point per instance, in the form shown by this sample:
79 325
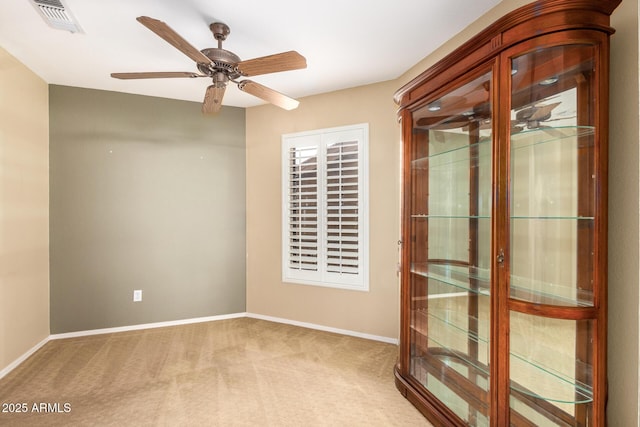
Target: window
325 211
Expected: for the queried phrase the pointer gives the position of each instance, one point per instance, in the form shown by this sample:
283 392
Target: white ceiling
347 43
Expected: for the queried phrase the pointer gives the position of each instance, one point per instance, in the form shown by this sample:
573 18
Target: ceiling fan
533 117
222 66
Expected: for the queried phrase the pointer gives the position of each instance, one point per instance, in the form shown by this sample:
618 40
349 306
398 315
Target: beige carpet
237 372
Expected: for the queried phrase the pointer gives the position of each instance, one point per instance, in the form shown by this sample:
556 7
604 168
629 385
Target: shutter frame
341 203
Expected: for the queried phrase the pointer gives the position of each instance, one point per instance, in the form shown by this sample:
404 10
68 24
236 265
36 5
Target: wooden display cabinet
504 260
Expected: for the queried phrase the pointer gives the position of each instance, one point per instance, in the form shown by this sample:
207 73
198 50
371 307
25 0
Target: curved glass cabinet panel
552 176
552 238
451 175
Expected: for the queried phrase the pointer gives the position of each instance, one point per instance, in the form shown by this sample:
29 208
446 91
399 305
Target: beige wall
624 218
374 312
24 209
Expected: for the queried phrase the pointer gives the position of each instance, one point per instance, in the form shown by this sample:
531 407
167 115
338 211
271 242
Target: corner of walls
24 210
624 219
374 312
502 8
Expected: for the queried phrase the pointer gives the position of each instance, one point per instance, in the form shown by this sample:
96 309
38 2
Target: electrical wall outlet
137 295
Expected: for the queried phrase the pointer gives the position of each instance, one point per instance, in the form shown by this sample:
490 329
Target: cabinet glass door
552 218
450 221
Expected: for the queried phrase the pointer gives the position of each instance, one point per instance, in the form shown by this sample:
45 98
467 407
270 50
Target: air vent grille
56 15
51 3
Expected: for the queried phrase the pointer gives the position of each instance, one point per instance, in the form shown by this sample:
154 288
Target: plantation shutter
341 207
325 231
303 207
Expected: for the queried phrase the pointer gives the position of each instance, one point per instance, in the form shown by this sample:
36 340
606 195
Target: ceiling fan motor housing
222 60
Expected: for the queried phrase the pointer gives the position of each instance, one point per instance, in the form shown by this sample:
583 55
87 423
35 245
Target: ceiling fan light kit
223 66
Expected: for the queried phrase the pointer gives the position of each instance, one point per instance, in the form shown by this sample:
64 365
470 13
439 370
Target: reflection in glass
552 191
450 254
552 225
545 373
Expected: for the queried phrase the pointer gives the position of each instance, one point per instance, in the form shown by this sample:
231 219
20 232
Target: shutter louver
341 208
303 209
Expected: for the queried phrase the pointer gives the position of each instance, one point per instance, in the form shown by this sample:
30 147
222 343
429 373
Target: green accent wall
145 193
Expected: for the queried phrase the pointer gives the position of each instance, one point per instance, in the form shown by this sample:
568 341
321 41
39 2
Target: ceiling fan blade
156 75
213 99
173 38
443 122
284 61
269 95
543 111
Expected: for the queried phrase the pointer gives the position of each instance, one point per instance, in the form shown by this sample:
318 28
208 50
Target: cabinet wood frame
542 23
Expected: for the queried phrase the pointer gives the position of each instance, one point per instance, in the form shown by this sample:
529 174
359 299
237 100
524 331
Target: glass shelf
449 235
563 385
457 276
454 153
453 342
450 320
536 369
419 216
543 361
542 218
540 292
551 174
549 217
521 288
551 259
437 371
543 135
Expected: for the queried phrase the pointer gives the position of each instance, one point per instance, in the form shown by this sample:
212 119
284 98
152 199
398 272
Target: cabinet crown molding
537 18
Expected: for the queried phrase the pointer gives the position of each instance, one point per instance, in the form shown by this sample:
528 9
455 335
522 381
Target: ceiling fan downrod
220 32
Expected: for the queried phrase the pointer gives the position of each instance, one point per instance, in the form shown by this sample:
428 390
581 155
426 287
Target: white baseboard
145 326
35 348
324 328
22 358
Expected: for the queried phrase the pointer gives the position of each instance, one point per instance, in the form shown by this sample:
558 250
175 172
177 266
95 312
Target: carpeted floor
236 372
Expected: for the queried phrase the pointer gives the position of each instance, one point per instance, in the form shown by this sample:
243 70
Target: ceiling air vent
56 15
